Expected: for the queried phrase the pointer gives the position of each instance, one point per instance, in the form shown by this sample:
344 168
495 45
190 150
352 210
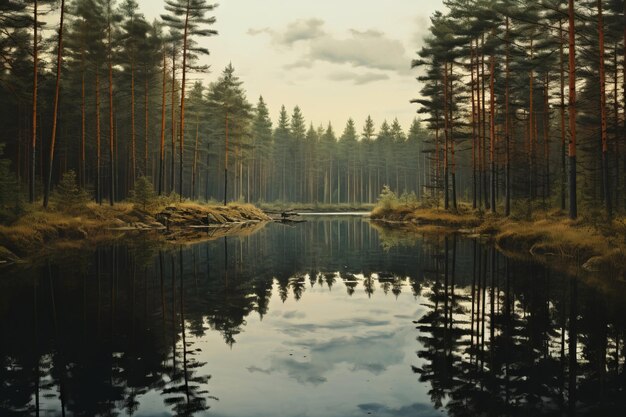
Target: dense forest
522 106
531 95
111 100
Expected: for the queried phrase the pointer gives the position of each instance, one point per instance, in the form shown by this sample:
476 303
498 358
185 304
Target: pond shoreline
42 232
550 238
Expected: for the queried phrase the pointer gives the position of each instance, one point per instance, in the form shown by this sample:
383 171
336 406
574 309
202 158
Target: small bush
11 206
68 195
143 193
409 200
387 199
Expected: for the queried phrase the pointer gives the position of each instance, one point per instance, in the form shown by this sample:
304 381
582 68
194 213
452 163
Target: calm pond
325 318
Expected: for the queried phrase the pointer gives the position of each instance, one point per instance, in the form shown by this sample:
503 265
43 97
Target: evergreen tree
188 17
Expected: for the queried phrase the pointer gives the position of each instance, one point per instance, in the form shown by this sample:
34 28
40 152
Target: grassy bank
38 231
550 237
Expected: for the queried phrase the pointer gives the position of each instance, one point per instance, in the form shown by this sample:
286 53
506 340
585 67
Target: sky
334 58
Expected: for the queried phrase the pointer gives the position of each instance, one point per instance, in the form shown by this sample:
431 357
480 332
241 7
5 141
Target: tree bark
573 206
182 101
603 117
111 125
562 95
507 126
98 152
226 162
492 132
162 142
33 149
55 118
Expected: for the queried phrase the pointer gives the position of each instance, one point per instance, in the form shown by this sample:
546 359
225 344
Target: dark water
322 319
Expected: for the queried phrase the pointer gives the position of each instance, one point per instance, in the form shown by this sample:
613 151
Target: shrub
10 202
68 195
144 192
409 200
387 199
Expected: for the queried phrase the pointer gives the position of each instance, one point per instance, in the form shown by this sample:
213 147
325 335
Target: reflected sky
329 318
325 355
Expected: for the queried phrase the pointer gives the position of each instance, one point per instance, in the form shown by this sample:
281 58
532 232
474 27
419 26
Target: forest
527 99
108 97
521 105
171 246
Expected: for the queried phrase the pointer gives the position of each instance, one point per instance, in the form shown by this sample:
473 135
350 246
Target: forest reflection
122 327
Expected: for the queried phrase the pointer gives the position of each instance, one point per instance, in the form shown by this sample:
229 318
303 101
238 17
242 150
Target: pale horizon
335 60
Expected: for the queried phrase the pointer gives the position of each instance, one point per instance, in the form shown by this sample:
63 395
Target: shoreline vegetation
550 237
38 232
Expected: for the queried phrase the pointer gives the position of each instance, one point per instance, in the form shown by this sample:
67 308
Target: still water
326 318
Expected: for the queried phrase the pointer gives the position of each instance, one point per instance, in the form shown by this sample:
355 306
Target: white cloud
369 49
356 78
298 30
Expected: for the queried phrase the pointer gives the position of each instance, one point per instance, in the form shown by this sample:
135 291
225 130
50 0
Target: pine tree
262 134
188 16
144 192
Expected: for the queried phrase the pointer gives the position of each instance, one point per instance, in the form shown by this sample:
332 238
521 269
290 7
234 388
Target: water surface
323 318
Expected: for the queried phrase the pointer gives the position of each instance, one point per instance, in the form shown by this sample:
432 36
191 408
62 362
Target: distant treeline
120 115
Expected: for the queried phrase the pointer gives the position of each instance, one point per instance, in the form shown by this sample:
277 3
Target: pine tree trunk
182 101
451 126
473 121
446 196
573 206
111 126
33 149
531 130
195 162
98 151
133 136
55 114
146 123
226 163
162 142
492 132
546 135
484 123
603 117
173 101
562 96
616 127
507 128
82 130
479 147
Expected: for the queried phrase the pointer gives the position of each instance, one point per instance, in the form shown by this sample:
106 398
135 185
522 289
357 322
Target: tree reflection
500 337
503 343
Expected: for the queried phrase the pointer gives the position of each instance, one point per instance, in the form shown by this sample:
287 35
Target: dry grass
546 236
39 229
425 217
552 237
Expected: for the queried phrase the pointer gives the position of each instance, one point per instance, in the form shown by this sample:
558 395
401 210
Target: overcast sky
334 58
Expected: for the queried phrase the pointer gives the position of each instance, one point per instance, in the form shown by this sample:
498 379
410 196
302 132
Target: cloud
358 79
422 25
302 30
377 352
255 32
369 49
299 30
424 410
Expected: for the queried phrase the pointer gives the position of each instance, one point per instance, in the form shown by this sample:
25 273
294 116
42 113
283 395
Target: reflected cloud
422 410
376 353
